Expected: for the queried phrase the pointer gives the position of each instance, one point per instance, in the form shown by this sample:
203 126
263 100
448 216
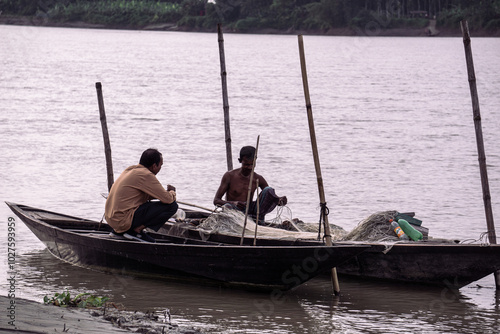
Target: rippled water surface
394 127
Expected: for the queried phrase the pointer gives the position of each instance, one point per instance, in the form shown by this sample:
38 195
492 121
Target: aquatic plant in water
82 300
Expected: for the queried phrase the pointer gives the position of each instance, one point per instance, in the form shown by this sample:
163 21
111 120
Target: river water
394 127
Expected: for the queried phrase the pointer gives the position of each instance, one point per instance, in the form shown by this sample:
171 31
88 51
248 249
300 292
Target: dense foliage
245 15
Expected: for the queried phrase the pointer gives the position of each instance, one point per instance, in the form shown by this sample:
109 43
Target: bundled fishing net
232 222
225 222
374 228
336 231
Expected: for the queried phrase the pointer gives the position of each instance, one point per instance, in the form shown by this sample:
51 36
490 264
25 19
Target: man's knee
173 207
168 210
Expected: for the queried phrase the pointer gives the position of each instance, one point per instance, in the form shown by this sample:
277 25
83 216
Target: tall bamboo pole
225 100
258 212
312 133
105 134
479 140
249 194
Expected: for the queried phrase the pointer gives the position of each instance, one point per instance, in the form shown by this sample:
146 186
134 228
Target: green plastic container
409 217
409 230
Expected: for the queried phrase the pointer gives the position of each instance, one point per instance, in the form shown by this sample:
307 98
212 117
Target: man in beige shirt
129 209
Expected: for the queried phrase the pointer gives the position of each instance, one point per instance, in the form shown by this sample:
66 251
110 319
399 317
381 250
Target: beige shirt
135 186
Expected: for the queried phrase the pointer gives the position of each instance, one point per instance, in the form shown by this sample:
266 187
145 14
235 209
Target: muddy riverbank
25 316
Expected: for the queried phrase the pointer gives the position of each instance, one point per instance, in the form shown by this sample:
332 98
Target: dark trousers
267 202
153 214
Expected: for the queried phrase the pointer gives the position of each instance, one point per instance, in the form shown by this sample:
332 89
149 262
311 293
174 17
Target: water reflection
368 307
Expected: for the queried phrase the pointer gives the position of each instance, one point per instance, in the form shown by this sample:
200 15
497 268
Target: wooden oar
479 141
105 134
249 195
312 133
225 101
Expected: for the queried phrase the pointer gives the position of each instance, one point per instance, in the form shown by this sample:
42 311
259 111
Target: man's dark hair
150 157
247 152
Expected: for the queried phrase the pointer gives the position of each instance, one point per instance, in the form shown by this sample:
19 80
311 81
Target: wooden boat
89 244
441 263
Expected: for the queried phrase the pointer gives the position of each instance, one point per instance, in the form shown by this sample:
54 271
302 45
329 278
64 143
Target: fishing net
374 228
225 222
282 227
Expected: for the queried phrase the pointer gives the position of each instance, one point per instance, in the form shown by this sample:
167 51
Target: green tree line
248 15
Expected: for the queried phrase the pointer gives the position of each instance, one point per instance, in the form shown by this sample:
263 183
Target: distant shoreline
395 32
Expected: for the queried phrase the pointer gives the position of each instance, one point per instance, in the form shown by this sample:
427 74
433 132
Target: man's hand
240 205
282 201
169 187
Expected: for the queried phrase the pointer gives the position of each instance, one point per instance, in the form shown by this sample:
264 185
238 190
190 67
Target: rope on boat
324 211
483 239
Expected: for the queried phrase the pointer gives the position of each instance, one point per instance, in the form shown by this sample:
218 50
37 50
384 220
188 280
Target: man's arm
154 188
223 188
262 182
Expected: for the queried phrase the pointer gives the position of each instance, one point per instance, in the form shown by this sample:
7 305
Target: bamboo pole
249 194
105 134
312 133
195 206
479 140
225 100
258 211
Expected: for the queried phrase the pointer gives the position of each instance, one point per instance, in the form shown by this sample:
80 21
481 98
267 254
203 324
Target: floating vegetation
83 300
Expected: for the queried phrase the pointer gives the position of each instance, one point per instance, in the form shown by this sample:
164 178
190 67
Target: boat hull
78 241
431 262
444 265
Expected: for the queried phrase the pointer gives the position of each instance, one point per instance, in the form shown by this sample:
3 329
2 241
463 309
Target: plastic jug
180 215
414 234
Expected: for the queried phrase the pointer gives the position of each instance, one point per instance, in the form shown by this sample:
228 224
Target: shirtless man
234 185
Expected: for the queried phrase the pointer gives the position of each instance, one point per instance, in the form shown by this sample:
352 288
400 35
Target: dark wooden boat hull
444 265
80 242
436 263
